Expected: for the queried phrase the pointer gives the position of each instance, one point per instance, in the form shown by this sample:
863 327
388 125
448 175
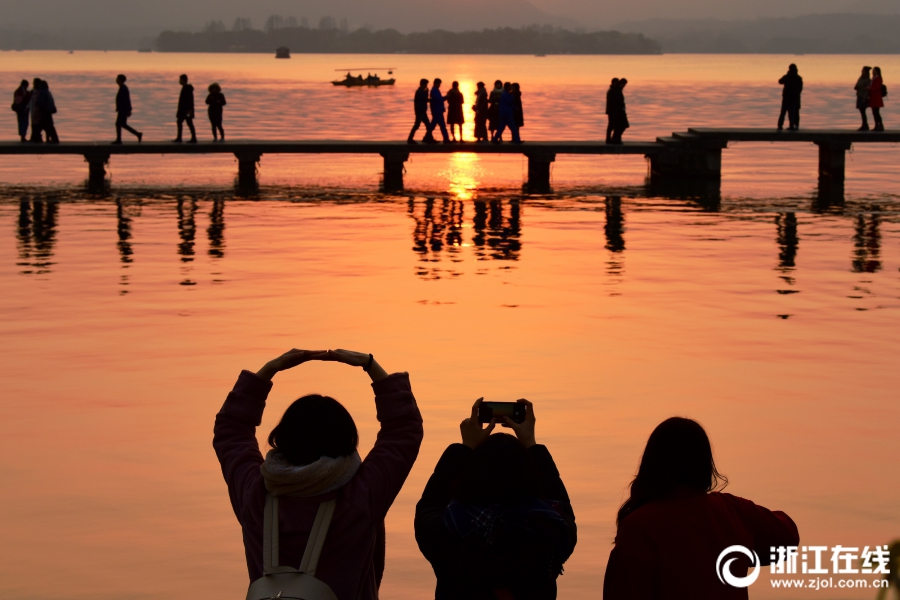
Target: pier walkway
695 155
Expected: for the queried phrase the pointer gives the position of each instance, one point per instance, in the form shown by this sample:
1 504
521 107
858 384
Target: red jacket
347 563
875 98
667 550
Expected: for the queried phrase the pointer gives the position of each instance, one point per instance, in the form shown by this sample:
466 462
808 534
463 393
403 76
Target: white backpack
278 582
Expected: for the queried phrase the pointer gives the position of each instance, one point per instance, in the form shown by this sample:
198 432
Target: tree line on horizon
333 36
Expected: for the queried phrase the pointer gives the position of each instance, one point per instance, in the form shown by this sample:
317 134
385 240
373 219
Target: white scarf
325 475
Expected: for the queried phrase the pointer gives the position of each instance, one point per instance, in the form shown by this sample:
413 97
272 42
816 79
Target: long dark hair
501 470
312 427
678 453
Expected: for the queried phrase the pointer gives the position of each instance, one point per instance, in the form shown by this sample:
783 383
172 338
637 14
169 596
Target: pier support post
687 161
832 161
97 162
392 180
247 161
539 172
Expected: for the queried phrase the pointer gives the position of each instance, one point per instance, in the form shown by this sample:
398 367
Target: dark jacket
21 100
347 563
437 102
420 102
186 102
476 550
216 102
667 550
123 101
615 101
793 86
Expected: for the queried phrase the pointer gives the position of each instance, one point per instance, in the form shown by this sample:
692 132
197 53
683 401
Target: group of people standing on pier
35 107
495 112
870 94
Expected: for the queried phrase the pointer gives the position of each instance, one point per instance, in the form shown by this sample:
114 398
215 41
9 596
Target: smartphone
498 410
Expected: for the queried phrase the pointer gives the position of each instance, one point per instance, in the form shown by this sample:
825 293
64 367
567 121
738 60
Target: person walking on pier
862 87
455 117
876 97
123 111
494 107
438 110
420 104
790 98
615 110
507 116
185 111
20 105
481 113
216 102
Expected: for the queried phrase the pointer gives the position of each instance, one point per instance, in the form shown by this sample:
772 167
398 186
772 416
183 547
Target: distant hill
812 34
527 40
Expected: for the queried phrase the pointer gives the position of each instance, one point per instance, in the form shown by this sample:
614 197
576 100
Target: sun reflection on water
464 174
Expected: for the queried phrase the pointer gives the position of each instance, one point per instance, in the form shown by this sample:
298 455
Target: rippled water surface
767 313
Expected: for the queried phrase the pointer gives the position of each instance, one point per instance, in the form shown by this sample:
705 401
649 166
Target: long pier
695 155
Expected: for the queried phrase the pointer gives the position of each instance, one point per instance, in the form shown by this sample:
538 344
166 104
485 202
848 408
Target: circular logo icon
723 570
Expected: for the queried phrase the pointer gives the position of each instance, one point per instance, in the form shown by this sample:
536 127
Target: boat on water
360 81
283 52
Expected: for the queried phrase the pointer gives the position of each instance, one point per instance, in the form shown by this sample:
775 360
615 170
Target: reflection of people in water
788 242
216 229
867 242
187 227
615 225
36 235
123 227
497 236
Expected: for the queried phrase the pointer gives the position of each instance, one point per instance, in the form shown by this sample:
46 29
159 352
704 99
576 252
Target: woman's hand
524 430
356 359
289 360
472 432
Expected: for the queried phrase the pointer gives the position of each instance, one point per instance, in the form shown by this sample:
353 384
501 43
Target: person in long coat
862 87
518 111
494 107
20 105
615 111
455 117
790 98
876 97
216 102
481 113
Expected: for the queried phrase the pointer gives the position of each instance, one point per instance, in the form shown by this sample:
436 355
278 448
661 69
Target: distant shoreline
508 41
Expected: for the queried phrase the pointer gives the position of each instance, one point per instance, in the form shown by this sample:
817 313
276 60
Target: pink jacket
347 563
875 98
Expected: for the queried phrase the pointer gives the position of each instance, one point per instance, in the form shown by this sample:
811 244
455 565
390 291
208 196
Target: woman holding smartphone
495 520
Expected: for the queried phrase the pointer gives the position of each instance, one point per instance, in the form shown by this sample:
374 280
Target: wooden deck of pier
692 155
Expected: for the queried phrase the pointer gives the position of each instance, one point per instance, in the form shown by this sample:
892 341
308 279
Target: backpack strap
313 545
317 537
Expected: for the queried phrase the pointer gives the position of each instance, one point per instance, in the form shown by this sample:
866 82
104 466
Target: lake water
766 314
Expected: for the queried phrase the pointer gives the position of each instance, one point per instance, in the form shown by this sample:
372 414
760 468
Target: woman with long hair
876 98
313 461
677 522
862 87
495 520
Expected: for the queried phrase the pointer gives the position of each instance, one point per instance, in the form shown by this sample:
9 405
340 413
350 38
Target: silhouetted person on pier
420 104
615 110
494 107
876 97
495 520
790 98
675 524
185 112
438 110
123 111
43 107
862 87
216 102
21 106
481 113
507 116
455 117
518 111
